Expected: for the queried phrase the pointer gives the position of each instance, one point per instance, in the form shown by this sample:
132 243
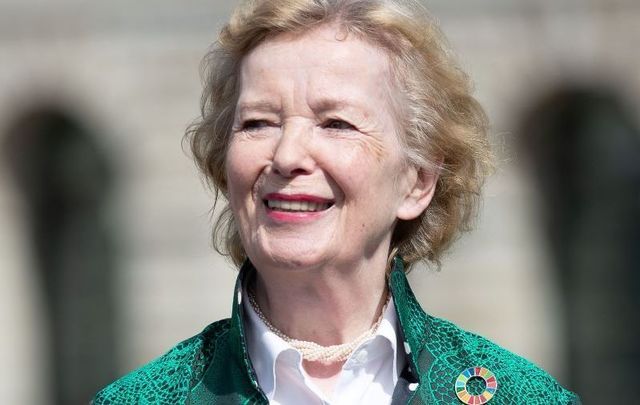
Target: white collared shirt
368 376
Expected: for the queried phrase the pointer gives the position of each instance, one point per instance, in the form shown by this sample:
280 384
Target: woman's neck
329 306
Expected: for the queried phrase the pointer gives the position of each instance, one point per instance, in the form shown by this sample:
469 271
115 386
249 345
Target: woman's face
316 173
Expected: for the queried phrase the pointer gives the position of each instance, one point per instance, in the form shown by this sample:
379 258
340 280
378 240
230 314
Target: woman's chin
294 258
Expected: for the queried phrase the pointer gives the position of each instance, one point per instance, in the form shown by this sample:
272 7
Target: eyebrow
355 109
320 105
330 104
266 106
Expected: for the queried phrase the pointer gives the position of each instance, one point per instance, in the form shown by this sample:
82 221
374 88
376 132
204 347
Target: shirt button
413 386
407 348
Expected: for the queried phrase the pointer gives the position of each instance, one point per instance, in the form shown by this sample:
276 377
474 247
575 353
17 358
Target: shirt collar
265 348
388 329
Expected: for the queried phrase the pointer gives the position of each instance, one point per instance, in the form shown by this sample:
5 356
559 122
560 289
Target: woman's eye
252 125
338 124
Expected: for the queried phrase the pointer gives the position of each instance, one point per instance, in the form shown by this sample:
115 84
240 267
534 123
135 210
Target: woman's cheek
239 173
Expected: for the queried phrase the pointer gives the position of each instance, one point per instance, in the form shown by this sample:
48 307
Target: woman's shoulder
452 350
169 378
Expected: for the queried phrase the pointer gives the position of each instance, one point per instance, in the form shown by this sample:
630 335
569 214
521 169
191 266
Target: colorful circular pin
490 382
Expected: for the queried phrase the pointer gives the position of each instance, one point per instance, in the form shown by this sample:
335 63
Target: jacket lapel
413 330
230 377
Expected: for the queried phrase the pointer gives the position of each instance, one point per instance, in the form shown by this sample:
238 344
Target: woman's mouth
296 206
298 203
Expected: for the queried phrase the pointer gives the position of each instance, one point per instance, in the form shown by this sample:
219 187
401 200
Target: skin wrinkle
323 108
362 121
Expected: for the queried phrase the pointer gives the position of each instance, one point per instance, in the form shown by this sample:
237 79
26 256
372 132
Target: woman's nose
292 155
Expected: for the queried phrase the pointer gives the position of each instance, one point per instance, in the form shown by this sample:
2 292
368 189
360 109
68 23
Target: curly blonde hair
445 128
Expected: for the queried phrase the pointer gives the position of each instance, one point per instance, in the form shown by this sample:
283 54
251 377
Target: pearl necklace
312 351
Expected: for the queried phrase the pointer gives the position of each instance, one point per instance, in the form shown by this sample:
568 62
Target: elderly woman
348 146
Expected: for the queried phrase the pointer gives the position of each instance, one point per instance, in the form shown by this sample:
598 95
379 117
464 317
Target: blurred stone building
105 258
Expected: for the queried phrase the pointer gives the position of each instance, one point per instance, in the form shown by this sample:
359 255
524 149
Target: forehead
323 60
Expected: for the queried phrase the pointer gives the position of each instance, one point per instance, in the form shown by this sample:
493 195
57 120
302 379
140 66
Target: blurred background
105 260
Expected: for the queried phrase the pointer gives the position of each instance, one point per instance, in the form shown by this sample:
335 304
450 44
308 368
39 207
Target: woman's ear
422 187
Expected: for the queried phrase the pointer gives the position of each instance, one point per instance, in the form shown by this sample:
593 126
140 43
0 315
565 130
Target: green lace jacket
213 367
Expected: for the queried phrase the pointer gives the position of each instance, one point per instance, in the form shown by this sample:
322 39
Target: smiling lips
278 204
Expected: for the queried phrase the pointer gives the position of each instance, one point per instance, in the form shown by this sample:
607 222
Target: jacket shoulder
453 350
169 378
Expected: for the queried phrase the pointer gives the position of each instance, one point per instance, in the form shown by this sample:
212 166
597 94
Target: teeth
296 206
